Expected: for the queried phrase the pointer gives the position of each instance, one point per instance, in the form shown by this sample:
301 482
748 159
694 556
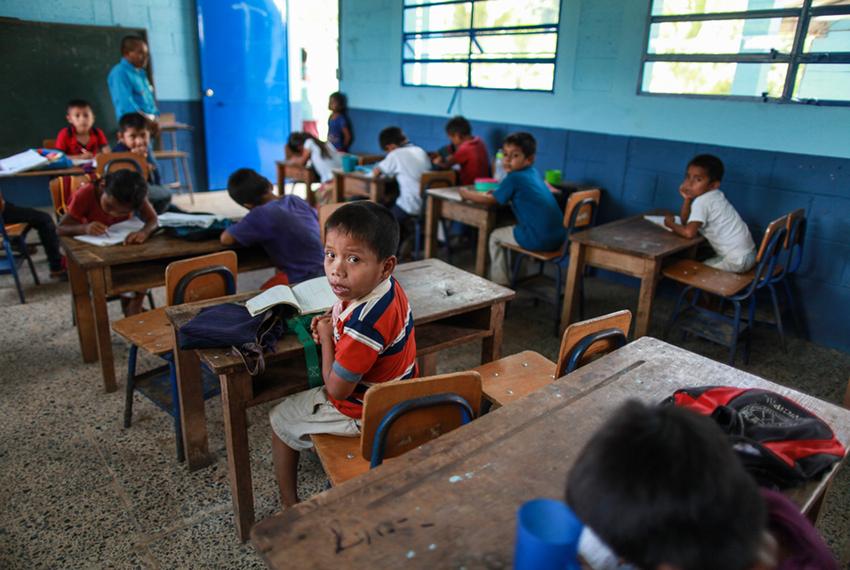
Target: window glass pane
828 33
698 78
496 46
676 7
438 18
534 76
723 36
438 74
816 3
417 2
502 13
829 81
452 47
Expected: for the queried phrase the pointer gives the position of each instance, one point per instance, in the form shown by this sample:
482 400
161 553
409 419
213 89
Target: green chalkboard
43 66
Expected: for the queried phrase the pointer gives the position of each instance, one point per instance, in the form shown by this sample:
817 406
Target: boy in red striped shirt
367 337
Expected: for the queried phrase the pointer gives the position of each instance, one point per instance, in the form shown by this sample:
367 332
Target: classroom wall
172 34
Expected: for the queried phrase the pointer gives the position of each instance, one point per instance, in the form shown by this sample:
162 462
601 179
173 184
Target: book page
277 295
314 295
115 234
20 162
659 221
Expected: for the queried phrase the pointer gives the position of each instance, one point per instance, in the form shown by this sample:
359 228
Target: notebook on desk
311 296
659 221
115 234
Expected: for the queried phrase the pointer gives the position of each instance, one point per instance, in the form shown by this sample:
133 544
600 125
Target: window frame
794 59
471 33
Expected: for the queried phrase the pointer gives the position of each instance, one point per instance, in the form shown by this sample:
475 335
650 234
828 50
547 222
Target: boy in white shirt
407 162
706 210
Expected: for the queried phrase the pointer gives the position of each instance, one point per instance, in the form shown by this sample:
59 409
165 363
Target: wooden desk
452 502
632 246
298 173
446 203
361 185
450 307
96 272
73 171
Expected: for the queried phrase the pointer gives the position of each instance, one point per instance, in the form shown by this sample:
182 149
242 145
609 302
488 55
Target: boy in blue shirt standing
539 219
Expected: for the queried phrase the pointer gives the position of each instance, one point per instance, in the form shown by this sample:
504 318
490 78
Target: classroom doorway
313 61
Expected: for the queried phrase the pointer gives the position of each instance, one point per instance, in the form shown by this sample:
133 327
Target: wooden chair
397 417
61 190
325 211
179 159
580 213
735 288
790 264
187 280
433 179
513 377
109 162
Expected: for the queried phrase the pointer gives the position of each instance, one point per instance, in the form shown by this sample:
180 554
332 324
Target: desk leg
236 391
193 418
97 280
431 217
491 346
647 292
311 196
481 250
338 191
428 365
574 277
83 311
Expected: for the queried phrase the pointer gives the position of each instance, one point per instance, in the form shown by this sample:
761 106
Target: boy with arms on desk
539 225
367 337
81 139
705 210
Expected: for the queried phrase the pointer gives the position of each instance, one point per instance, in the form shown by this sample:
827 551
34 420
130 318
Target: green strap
300 325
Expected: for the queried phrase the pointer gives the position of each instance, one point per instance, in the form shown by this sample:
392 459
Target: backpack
779 442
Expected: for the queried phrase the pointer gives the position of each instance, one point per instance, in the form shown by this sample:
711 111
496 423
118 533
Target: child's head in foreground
519 150
458 130
662 487
249 188
79 115
391 138
134 132
123 192
704 173
361 239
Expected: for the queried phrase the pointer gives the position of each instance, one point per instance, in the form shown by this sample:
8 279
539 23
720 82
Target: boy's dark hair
247 186
712 165
127 187
524 141
458 126
133 121
370 223
391 135
77 104
129 43
342 101
662 485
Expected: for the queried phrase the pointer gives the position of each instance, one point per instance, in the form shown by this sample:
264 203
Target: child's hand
376 171
96 228
314 326
683 192
669 220
136 237
325 330
85 153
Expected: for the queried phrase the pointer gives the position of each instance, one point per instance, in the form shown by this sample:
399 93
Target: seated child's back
407 162
286 228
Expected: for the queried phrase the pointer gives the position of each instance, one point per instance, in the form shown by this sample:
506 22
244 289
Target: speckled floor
77 490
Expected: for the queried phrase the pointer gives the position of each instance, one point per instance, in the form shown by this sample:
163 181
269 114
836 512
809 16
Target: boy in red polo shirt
367 337
81 139
470 152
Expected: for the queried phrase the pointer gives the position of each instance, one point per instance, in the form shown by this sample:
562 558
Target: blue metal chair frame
791 263
615 337
402 408
761 279
9 264
562 261
209 380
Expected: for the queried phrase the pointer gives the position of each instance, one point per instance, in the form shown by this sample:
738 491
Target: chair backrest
110 162
776 226
795 233
48 143
437 179
417 426
581 209
577 332
203 286
325 211
61 190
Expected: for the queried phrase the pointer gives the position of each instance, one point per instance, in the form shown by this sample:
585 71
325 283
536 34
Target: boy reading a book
286 228
367 337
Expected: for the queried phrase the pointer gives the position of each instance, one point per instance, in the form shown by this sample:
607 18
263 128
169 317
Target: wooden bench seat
513 377
16 230
340 457
709 279
541 255
150 331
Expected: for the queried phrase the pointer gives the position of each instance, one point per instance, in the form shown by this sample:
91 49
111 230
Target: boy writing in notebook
539 219
705 210
286 228
367 337
81 139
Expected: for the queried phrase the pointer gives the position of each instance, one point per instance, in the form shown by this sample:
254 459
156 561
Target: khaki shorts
306 413
734 263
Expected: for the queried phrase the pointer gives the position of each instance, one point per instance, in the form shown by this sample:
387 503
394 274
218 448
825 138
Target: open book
20 162
311 296
115 234
659 221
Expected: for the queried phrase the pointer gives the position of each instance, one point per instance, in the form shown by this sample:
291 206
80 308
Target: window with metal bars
484 44
771 50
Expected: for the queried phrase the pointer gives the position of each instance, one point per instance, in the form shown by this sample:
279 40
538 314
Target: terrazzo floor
77 490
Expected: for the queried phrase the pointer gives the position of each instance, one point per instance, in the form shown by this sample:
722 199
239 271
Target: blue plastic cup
547 536
349 162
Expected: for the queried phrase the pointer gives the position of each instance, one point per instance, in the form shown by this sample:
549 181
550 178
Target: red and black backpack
779 442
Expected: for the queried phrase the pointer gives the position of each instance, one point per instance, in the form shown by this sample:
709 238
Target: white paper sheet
176 219
314 295
20 162
659 221
116 234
